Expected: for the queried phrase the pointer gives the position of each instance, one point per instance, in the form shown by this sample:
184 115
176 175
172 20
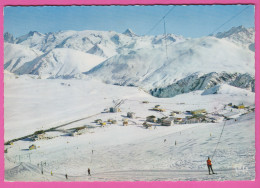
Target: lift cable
157 23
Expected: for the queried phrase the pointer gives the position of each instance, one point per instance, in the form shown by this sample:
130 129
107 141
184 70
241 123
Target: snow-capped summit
8 37
129 33
232 31
151 68
129 59
239 35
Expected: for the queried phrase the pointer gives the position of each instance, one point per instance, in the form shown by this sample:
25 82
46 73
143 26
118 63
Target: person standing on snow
210 166
89 172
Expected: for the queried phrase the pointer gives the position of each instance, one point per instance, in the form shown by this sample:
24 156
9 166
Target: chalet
176 112
131 115
103 124
72 134
241 106
200 111
32 147
109 120
178 120
113 121
173 114
41 136
192 120
146 125
98 121
114 109
167 122
151 119
159 120
81 130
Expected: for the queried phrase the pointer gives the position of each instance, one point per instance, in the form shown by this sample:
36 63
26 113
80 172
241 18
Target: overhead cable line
165 39
229 20
218 140
157 23
240 12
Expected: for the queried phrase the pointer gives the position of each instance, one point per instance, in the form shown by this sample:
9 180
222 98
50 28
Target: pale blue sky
189 21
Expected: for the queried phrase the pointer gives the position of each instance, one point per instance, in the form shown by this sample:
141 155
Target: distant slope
227 89
129 59
16 55
150 68
240 35
102 43
206 81
60 63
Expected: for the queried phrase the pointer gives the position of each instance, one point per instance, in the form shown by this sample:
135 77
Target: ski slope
122 153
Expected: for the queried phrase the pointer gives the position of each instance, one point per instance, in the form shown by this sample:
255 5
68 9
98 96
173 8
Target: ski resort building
159 120
178 120
112 121
192 120
125 122
114 109
200 111
32 147
146 125
103 124
167 122
151 119
41 136
98 121
241 106
173 114
176 112
131 115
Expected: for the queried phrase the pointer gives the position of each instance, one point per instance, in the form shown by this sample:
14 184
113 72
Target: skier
210 166
51 173
89 172
66 176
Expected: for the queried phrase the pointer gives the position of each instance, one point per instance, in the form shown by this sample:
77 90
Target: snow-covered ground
123 153
60 83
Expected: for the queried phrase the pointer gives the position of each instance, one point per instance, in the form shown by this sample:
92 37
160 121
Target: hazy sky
189 21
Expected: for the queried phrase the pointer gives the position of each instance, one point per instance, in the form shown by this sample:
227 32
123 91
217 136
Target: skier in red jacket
210 166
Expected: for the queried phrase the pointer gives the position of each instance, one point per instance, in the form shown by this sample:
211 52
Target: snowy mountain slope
60 62
122 153
227 89
240 35
8 37
198 82
141 60
150 68
85 40
16 55
109 41
129 33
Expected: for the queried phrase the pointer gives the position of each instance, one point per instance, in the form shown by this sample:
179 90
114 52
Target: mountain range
164 65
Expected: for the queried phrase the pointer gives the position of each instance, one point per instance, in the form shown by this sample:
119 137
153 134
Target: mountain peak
129 33
8 37
31 33
232 31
